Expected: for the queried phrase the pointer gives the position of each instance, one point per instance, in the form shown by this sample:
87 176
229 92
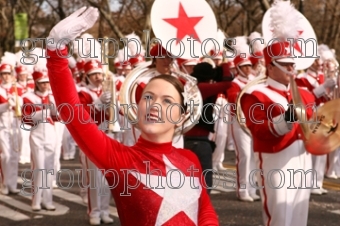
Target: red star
184 24
296 44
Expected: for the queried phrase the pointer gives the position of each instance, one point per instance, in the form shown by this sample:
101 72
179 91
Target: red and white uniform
25 150
242 142
278 147
98 205
42 143
183 206
312 80
9 139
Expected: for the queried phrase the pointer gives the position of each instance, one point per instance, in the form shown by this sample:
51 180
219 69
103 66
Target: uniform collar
276 85
45 94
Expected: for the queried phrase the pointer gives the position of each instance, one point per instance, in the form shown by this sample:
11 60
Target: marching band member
22 73
147 205
98 205
242 141
199 139
277 141
9 129
314 80
42 136
162 63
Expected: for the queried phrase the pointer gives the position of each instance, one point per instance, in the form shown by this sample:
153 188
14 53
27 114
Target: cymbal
324 133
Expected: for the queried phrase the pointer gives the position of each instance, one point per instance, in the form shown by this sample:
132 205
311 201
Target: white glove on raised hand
71 27
329 83
105 97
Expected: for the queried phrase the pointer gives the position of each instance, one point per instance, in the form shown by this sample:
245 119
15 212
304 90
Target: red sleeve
256 117
86 101
87 135
212 89
302 82
233 92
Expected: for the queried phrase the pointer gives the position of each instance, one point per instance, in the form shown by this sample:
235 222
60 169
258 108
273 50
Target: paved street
15 210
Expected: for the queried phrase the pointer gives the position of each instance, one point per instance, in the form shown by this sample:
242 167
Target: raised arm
93 142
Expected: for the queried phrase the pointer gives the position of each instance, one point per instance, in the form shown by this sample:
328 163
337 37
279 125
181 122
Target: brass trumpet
17 109
110 85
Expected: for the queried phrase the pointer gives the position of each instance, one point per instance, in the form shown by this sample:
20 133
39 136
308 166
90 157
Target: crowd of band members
220 81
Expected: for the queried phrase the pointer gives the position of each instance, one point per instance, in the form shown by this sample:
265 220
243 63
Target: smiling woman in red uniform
187 205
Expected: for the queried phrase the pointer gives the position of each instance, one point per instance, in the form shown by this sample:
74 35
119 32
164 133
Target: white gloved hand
329 83
105 97
71 27
11 101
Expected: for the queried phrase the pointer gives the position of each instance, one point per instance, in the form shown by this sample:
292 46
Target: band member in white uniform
98 204
22 73
42 138
242 141
9 131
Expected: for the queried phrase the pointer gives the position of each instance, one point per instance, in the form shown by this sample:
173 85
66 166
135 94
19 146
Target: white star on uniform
185 198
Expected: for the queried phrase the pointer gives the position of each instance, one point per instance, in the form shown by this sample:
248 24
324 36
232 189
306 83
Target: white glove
41 116
105 98
12 101
329 83
71 27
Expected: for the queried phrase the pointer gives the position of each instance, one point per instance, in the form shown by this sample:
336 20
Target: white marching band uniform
42 142
245 162
25 150
9 140
221 131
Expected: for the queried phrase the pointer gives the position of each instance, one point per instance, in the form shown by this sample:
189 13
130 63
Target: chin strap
283 69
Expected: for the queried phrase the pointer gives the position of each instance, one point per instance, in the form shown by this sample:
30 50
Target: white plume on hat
241 45
8 58
40 66
257 46
88 47
29 67
220 37
325 53
284 20
133 46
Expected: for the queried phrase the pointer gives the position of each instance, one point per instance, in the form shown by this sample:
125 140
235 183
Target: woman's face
158 114
43 86
6 77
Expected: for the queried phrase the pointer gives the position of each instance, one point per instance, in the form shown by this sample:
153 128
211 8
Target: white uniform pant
10 154
83 175
245 162
68 145
25 150
43 142
98 193
220 141
230 141
282 206
59 130
319 165
333 162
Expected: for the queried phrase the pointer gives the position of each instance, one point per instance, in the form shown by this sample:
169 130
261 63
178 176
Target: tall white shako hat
40 72
242 52
257 44
136 49
7 63
283 21
92 63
